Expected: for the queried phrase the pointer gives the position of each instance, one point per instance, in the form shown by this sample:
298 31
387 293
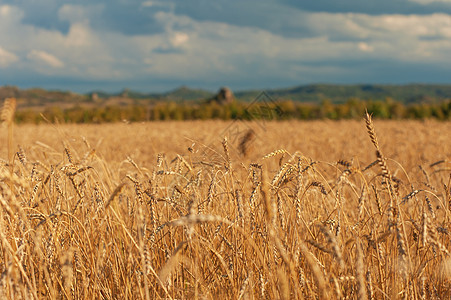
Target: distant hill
411 93
180 94
314 93
185 93
36 97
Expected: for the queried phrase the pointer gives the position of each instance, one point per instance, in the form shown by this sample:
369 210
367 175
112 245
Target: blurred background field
408 142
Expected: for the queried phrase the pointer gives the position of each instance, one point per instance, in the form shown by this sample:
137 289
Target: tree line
280 110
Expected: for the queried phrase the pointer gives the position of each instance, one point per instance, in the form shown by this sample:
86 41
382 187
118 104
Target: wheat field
200 210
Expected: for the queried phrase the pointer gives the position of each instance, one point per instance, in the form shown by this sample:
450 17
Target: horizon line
221 86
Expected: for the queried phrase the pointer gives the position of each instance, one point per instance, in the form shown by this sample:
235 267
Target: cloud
404 37
159 4
10 15
45 58
294 46
381 7
80 35
426 2
365 47
79 13
179 38
5 10
7 58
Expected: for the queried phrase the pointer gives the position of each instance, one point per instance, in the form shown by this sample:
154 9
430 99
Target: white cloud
5 10
352 25
365 47
179 38
80 35
10 15
402 37
46 58
7 58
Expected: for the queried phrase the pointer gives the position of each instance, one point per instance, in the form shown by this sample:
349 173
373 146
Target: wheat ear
7 116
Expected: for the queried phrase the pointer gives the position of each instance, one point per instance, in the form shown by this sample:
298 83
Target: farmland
239 210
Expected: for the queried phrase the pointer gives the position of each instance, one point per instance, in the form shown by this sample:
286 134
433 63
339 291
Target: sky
156 46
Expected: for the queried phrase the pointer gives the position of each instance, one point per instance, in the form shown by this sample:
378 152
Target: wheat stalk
7 117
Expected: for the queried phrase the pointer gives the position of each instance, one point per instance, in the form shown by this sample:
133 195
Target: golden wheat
165 210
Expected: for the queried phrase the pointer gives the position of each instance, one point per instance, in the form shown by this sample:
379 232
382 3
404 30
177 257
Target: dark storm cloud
267 15
42 14
285 17
127 17
371 7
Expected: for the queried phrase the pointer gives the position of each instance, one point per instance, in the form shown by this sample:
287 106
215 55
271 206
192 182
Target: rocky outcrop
224 96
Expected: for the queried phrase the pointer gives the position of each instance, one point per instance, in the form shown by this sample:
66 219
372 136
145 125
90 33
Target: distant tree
396 109
379 109
54 113
327 110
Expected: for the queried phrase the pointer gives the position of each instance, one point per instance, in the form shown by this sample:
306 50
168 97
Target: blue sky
155 46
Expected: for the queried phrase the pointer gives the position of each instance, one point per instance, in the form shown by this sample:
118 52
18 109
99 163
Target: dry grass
176 211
